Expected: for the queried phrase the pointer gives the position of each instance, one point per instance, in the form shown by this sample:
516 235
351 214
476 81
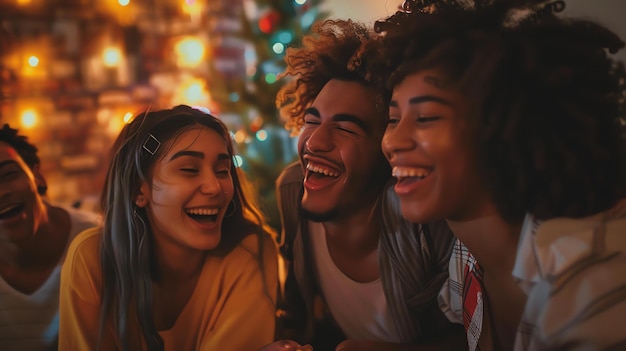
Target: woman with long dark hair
184 259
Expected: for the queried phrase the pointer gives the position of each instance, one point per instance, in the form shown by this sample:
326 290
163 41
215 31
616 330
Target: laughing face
430 146
21 207
190 192
340 150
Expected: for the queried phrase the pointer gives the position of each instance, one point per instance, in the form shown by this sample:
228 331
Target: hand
286 345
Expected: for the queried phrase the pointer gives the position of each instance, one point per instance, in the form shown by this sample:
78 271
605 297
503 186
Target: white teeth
324 171
405 172
7 209
202 211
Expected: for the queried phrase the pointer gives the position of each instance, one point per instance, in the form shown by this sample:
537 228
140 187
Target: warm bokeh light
240 136
192 92
29 117
192 7
23 2
300 2
33 61
189 51
127 117
123 2
111 56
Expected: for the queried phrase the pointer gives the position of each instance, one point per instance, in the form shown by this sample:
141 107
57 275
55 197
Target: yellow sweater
229 309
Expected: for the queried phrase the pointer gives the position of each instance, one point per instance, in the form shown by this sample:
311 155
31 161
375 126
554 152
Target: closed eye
427 119
190 170
348 130
393 121
223 172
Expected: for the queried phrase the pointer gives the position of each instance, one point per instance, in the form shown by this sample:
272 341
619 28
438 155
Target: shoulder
84 250
82 220
563 246
291 175
252 250
572 271
255 245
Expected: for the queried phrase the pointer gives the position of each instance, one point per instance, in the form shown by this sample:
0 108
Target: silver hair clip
152 144
406 6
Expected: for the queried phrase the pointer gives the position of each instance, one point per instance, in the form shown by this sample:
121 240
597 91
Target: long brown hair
126 252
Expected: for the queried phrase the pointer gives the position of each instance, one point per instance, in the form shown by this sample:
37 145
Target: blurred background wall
72 72
612 13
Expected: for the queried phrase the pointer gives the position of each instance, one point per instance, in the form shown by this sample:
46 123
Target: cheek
228 188
302 139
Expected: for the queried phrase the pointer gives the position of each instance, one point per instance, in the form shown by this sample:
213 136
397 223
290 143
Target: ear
141 200
42 186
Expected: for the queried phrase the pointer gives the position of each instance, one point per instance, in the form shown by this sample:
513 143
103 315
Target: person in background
184 259
508 120
34 236
359 276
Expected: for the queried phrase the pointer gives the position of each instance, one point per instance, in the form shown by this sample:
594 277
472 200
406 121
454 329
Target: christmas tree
247 92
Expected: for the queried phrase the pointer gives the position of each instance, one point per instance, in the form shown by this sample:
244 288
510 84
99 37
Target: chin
414 215
319 215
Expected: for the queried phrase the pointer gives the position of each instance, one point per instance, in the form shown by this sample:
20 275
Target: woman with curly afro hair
507 119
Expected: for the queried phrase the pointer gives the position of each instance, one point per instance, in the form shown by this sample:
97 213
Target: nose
397 139
320 140
210 185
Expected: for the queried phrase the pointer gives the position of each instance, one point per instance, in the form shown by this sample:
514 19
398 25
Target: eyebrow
198 154
340 117
422 99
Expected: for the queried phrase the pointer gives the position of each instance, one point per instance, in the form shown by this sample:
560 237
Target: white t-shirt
31 322
360 309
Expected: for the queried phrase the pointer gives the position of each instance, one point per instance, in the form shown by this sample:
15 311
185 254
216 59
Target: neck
491 240
180 266
356 234
48 242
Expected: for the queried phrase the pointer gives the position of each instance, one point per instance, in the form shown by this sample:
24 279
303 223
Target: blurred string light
127 117
193 8
261 135
300 2
240 136
307 19
33 61
278 48
270 78
111 56
29 118
233 97
238 160
123 2
23 2
285 36
202 108
192 92
190 52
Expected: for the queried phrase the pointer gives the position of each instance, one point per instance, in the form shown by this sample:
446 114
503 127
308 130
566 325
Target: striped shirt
574 274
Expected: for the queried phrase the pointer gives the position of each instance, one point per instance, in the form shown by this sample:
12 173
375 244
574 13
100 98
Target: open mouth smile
203 214
402 173
321 170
